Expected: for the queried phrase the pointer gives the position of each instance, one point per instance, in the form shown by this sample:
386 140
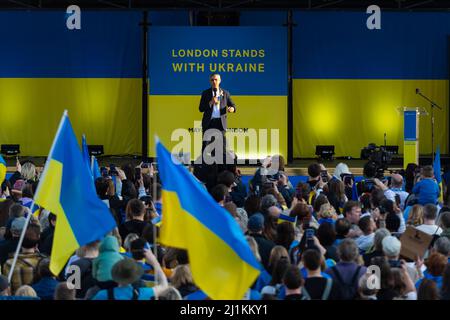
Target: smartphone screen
309 233
324 175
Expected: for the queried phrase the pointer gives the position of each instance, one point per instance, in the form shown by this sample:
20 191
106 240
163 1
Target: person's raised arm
160 277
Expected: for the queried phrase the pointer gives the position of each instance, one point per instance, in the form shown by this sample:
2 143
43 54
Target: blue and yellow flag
437 172
85 152
66 189
286 218
222 263
90 161
2 169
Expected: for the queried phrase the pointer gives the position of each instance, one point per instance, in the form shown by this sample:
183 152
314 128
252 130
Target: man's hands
213 101
231 109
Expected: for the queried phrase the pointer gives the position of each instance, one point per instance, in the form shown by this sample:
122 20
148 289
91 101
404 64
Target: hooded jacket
108 256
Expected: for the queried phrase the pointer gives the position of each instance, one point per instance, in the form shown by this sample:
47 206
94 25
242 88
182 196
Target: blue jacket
45 288
427 190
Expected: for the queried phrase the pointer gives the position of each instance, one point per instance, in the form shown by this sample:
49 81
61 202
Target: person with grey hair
429 220
377 248
171 293
242 219
391 248
215 103
442 246
267 201
347 272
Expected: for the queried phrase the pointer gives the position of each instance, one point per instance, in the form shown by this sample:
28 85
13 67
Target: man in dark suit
215 103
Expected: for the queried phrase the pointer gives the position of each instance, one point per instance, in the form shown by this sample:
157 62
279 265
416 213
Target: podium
411 133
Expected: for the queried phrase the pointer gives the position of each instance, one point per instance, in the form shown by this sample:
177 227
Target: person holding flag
222 263
66 189
427 190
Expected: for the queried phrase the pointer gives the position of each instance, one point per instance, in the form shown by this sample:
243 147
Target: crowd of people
318 240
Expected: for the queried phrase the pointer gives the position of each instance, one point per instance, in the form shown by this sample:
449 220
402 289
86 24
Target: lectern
411 133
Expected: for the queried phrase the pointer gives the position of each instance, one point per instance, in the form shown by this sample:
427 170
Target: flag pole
155 248
19 244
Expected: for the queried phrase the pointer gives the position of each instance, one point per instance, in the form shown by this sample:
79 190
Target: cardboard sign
414 243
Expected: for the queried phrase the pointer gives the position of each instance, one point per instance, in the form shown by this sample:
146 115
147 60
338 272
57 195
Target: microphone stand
433 105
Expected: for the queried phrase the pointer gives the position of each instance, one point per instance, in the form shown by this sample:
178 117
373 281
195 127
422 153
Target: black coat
207 110
265 246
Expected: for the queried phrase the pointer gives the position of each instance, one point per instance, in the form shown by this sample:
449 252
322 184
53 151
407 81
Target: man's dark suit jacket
225 102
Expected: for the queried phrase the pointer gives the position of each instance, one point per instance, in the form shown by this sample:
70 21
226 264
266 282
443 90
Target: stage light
10 149
325 152
95 150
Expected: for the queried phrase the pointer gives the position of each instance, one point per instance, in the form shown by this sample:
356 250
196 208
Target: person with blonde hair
415 217
182 280
28 171
327 213
26 291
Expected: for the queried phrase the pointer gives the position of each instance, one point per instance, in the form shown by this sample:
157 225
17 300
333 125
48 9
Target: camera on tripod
381 155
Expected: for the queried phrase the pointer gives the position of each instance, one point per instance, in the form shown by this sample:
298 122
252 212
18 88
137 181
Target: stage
298 167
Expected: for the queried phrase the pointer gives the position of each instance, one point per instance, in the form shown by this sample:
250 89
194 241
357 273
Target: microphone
417 90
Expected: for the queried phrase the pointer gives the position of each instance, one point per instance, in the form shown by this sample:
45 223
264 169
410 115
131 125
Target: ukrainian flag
66 189
437 172
2 169
91 162
222 263
286 218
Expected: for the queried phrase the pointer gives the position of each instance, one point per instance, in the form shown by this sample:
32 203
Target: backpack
325 294
348 290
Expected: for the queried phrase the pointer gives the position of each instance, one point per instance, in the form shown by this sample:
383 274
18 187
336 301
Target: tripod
433 105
